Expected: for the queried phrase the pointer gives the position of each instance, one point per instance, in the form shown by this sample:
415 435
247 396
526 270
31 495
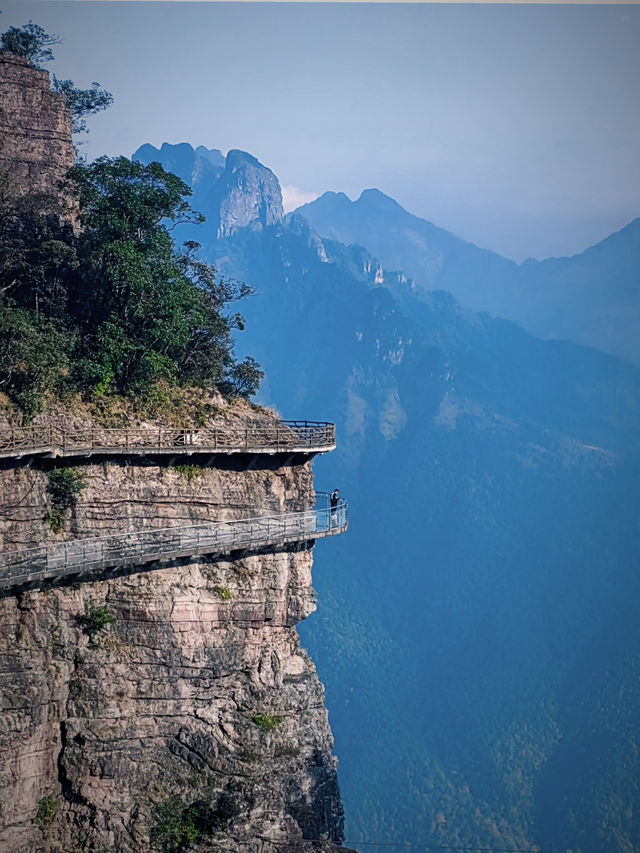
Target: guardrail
79 556
291 436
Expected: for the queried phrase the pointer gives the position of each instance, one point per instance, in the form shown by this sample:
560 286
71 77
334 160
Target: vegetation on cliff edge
112 308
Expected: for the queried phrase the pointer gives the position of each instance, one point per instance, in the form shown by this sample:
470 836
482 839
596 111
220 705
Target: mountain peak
376 198
236 157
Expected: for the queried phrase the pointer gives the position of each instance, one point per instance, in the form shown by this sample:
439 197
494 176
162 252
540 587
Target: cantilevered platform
53 441
79 557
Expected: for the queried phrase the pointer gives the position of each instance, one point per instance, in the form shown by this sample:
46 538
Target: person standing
334 501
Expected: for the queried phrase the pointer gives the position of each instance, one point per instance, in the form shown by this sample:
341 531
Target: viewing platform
78 557
52 441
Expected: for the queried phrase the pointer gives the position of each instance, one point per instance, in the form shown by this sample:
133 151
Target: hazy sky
516 127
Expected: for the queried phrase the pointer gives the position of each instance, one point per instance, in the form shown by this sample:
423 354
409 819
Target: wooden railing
81 556
286 436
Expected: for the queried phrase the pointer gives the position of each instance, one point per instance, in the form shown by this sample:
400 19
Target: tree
149 311
31 42
82 102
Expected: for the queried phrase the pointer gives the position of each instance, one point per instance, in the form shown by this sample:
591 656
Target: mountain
477 625
592 298
233 192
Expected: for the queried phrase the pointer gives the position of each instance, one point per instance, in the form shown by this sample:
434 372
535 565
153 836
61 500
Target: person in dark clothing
334 500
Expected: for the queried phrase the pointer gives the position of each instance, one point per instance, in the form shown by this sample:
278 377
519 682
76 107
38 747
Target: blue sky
516 127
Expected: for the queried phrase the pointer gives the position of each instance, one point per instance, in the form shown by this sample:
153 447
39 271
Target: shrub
47 809
189 472
96 618
64 486
179 825
266 721
175 829
224 592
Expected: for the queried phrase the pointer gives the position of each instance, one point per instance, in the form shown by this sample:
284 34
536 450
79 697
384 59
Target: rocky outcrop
233 193
195 707
250 195
35 128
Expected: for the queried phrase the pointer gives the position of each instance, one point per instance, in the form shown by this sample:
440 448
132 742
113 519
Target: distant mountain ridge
592 298
477 632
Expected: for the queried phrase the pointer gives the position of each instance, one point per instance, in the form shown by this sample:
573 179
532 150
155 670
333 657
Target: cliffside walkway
54 441
88 556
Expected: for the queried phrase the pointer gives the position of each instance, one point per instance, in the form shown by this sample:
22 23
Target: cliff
233 192
196 701
35 128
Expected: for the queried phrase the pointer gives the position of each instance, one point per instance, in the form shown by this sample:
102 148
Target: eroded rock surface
35 127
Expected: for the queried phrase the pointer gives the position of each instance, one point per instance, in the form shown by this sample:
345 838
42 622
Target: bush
266 721
114 308
224 592
47 809
64 486
96 618
189 472
179 826
175 829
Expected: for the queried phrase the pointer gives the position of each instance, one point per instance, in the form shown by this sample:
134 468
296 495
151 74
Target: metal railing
79 556
289 436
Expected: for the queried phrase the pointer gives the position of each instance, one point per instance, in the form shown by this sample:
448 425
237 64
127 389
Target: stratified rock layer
35 128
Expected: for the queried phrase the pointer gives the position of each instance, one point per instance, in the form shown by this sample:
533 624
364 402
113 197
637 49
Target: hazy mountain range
592 298
477 627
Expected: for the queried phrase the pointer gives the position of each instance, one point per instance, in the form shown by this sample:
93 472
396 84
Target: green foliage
82 102
178 825
174 829
114 309
267 721
64 486
33 356
47 810
243 378
189 472
224 592
29 41
96 618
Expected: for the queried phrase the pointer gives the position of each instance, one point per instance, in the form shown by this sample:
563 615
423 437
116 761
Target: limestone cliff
196 700
35 128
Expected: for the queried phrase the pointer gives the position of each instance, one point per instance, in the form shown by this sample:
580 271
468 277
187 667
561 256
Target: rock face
250 195
35 127
196 701
233 192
